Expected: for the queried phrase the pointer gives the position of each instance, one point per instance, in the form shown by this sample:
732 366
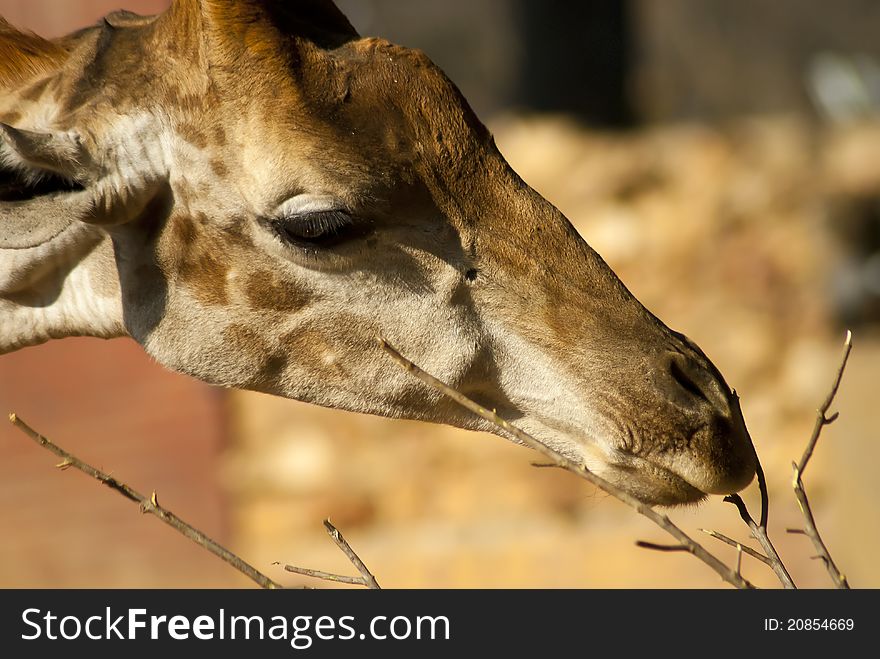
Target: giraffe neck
65 285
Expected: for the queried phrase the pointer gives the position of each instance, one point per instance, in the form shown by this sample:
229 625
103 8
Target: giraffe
253 192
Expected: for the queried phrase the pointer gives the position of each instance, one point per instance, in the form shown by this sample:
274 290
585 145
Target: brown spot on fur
170 95
205 275
190 102
35 91
264 290
268 365
10 118
326 354
201 268
184 230
311 348
219 168
243 339
193 135
219 136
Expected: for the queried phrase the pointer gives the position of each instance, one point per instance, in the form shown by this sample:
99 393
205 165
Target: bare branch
368 579
326 576
658 547
759 530
810 530
726 573
733 543
822 418
147 505
760 534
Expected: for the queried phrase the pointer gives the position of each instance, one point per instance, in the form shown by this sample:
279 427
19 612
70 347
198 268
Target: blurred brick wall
107 403
110 404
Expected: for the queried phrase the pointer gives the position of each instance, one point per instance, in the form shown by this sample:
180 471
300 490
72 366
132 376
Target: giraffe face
269 224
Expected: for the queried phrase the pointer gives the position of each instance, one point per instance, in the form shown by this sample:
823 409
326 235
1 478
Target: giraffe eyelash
318 229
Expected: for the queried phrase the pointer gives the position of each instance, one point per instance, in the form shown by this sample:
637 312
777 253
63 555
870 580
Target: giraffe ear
40 153
45 175
39 164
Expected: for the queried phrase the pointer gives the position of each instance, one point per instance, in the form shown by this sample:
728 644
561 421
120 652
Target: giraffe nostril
686 381
693 384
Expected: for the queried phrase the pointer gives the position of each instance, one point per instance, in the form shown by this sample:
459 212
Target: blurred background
723 157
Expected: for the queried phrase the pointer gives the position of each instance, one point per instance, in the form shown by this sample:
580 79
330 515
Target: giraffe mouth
653 483
15 186
648 481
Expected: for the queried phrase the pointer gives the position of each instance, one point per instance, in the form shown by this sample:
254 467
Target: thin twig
733 543
760 534
660 547
765 495
812 532
759 530
147 505
726 573
822 420
326 576
368 579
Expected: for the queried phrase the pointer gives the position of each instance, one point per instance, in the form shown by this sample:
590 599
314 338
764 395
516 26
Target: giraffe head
263 193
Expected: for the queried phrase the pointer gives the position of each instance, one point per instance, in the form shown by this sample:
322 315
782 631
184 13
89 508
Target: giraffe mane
25 55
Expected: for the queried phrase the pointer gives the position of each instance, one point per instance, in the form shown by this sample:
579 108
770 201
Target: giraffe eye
318 229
